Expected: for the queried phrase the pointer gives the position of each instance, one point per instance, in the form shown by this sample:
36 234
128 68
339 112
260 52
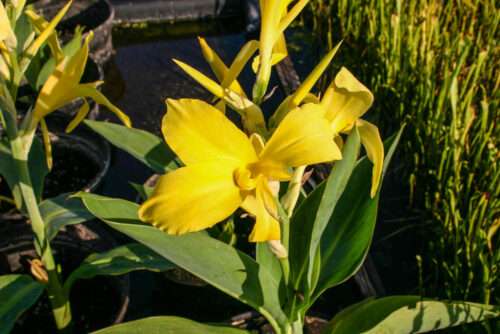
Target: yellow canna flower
275 18
345 101
225 169
63 86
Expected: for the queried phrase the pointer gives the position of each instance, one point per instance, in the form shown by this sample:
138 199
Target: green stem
292 195
59 301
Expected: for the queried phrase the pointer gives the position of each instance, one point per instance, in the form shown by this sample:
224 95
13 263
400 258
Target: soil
73 168
256 323
96 303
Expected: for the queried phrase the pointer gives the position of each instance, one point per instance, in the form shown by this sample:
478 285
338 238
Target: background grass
433 65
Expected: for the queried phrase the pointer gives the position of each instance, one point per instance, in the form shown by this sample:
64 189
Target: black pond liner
96 15
96 303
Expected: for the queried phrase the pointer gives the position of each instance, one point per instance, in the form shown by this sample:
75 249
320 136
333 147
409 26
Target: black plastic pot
81 158
96 15
96 303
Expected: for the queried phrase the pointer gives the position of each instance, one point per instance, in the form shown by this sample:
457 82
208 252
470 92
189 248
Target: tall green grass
434 65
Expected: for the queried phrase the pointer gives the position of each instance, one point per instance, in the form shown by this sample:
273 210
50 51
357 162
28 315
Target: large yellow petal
266 227
370 138
345 100
304 137
192 198
198 132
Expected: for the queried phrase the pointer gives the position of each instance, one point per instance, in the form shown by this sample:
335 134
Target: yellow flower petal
346 99
37 43
46 144
220 69
4 23
370 138
192 198
88 90
198 132
202 79
311 79
40 25
304 137
291 15
266 227
239 62
82 113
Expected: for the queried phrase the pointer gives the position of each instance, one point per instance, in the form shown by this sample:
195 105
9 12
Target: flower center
243 178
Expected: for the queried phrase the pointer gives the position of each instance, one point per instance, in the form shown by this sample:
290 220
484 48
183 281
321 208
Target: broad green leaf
222 266
144 146
169 325
60 211
348 235
407 314
36 163
17 294
117 261
312 216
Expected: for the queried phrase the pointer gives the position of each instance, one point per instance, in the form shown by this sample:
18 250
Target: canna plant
24 162
305 243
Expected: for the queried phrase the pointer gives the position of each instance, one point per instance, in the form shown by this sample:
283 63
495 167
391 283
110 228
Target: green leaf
117 261
407 314
347 237
144 146
60 211
312 216
169 325
17 294
142 190
36 163
222 266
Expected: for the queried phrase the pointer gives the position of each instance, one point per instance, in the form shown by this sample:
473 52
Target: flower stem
292 195
59 301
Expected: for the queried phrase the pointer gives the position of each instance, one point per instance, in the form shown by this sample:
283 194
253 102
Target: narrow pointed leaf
221 265
17 294
144 146
312 216
61 211
170 325
407 314
117 261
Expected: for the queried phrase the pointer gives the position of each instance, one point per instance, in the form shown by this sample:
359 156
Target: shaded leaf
348 235
407 314
117 261
17 294
220 265
169 325
144 146
60 211
310 219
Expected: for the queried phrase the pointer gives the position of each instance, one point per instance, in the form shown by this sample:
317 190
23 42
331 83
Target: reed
434 65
